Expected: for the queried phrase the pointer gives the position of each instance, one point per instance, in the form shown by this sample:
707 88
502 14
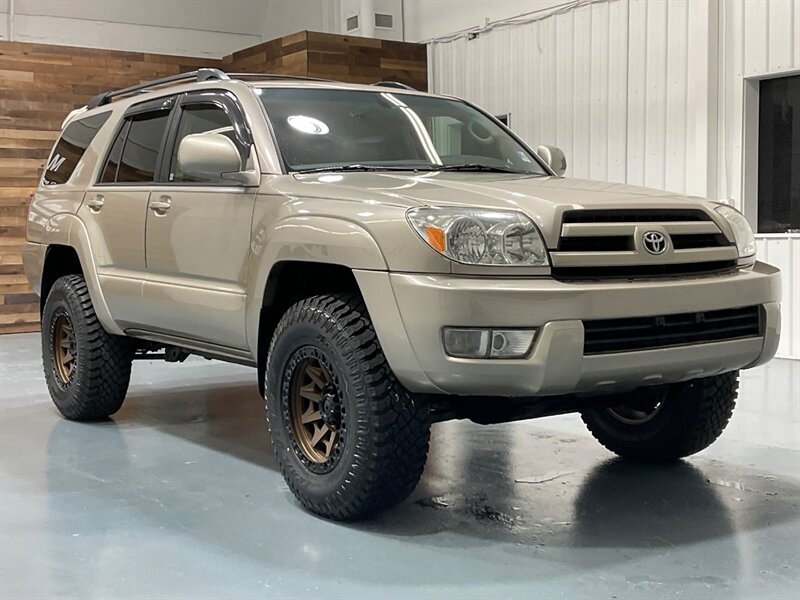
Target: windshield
325 129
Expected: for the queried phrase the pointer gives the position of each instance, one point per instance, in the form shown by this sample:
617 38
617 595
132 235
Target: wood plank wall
40 84
343 58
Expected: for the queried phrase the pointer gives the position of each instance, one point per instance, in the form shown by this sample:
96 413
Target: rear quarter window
70 147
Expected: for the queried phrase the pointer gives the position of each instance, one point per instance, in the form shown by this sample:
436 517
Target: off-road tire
102 369
693 414
385 429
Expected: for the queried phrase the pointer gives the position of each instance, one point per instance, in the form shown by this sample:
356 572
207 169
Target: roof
202 75
203 78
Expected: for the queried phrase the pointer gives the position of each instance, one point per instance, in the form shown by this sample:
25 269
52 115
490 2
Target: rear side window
70 148
109 174
140 155
134 154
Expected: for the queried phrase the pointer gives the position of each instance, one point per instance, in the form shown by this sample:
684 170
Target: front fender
330 240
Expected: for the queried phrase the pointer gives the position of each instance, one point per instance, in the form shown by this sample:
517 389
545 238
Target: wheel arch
288 282
67 234
59 260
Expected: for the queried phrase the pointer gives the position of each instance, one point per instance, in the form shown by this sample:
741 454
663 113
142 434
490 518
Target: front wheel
350 440
665 423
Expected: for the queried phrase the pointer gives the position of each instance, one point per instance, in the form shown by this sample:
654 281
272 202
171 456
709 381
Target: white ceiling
229 16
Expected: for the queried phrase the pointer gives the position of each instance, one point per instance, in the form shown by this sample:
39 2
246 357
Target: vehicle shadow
226 418
582 510
469 484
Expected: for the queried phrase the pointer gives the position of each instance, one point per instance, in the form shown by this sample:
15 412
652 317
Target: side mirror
554 157
214 157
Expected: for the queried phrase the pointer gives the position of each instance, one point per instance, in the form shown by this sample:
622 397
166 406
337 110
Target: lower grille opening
642 271
603 336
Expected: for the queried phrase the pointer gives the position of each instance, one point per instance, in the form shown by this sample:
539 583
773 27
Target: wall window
779 155
505 119
70 148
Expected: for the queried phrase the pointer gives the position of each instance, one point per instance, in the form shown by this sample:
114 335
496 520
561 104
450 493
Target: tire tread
398 421
105 362
697 413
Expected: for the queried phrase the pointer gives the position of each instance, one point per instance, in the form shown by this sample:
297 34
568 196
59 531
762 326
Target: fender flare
330 240
67 229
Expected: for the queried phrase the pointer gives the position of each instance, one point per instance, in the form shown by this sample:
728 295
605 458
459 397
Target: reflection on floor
179 496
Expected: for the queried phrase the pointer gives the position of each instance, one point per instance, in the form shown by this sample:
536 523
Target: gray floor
179 497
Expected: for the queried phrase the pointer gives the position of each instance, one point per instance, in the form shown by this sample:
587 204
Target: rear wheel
349 438
666 423
87 369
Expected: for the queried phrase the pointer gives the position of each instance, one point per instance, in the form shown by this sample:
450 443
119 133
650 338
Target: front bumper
410 310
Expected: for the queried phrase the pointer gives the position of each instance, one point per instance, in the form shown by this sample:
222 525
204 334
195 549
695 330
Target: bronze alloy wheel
316 412
637 413
65 351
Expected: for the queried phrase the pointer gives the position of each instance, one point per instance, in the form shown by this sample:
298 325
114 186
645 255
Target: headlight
480 237
742 233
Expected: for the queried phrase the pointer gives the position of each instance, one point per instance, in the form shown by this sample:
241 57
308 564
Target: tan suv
386 259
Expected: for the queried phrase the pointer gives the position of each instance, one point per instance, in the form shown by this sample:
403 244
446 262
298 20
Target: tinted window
322 128
140 152
109 174
199 118
70 148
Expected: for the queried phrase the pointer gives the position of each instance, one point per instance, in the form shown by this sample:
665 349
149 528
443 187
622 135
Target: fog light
488 343
511 343
466 343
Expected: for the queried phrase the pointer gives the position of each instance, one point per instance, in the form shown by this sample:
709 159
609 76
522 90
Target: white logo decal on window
55 163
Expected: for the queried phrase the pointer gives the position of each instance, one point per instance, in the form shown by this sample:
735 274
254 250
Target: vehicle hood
543 198
492 190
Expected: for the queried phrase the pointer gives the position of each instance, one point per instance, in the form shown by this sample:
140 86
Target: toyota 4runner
386 259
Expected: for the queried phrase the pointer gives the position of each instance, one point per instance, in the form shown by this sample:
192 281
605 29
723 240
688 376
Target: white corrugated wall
756 39
629 90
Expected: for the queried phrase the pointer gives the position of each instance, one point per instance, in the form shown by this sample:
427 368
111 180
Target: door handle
162 205
96 203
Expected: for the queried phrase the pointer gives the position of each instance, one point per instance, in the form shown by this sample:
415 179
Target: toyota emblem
654 242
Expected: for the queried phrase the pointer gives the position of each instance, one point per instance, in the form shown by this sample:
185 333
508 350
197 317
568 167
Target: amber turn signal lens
436 237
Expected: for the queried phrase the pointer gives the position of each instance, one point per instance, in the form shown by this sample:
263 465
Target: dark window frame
220 98
164 103
120 134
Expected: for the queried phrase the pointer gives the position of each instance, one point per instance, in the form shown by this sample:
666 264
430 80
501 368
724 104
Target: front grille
698 240
603 336
612 243
643 215
608 244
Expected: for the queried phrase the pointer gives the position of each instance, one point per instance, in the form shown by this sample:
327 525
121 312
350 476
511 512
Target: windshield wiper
476 167
473 167
334 168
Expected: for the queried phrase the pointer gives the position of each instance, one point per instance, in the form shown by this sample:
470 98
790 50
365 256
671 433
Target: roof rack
199 75
272 76
394 84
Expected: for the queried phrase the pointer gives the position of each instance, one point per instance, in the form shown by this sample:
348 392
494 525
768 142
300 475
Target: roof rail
199 75
272 76
394 84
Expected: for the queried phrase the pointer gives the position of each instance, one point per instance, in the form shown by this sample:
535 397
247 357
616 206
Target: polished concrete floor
179 496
